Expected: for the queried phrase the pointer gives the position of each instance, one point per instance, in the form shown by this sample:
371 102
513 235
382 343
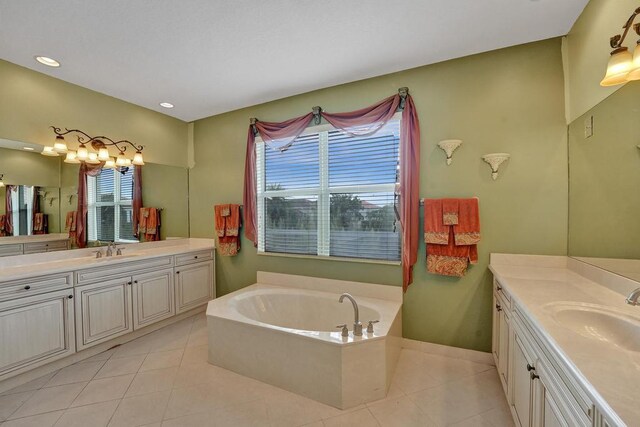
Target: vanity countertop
36 238
25 266
539 286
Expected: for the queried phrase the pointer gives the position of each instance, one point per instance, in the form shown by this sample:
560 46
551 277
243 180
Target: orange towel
450 260
232 224
70 222
151 224
3 219
467 231
142 220
152 221
220 219
450 211
38 222
227 227
434 230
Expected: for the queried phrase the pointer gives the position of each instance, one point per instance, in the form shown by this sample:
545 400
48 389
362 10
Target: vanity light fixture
495 160
449 146
48 151
94 150
1 180
623 66
166 104
49 62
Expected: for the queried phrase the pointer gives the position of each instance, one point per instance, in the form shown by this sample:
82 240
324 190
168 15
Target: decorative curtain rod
317 110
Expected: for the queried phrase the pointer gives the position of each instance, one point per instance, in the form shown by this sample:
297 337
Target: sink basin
599 323
115 257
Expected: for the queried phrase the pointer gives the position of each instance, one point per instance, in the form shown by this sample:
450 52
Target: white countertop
36 238
24 266
610 374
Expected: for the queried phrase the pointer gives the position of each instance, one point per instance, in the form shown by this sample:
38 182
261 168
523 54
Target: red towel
227 225
3 219
467 231
450 211
152 233
434 230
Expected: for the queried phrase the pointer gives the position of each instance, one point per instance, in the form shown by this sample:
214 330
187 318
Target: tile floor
163 379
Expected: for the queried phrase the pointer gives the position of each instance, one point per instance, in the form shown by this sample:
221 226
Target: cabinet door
153 297
495 335
36 330
522 385
194 285
503 362
103 311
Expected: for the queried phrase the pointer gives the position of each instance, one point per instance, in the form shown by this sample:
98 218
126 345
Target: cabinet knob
135 281
177 272
70 297
498 287
498 307
196 257
128 283
534 376
26 288
530 368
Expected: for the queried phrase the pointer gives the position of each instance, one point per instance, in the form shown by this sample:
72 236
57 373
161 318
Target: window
331 194
110 215
22 210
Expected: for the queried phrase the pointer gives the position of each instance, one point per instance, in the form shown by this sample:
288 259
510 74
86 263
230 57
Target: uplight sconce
1 180
449 146
495 160
623 66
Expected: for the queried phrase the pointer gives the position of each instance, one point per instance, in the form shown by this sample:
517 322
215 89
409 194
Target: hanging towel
450 211
152 224
38 222
434 230
3 219
227 225
467 231
142 220
448 260
70 222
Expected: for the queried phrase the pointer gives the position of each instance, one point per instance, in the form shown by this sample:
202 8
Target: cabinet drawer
33 248
192 257
499 289
9 250
35 285
99 274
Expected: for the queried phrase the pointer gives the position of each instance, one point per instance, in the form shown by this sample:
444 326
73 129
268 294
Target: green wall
31 102
605 172
506 100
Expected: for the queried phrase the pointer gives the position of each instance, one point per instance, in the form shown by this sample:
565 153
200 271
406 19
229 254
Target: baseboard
444 350
35 373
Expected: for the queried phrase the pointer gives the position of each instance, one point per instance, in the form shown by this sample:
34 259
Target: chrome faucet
633 297
109 250
357 326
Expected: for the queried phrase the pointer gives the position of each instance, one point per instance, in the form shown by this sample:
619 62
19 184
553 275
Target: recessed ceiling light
47 61
166 104
27 148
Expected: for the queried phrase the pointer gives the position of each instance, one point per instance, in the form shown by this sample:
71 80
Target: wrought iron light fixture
99 146
623 66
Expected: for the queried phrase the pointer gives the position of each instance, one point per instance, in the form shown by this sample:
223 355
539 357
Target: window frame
92 205
324 197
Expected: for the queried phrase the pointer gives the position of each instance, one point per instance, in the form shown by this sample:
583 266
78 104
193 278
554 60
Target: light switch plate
588 127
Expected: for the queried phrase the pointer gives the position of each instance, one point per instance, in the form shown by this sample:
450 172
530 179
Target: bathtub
282 331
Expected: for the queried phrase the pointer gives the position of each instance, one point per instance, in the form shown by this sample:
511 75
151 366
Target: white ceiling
212 56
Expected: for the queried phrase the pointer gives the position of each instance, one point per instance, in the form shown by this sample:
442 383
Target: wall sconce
98 143
449 146
623 66
1 180
495 160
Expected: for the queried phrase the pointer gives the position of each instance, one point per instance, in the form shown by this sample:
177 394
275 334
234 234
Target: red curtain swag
365 121
8 209
137 200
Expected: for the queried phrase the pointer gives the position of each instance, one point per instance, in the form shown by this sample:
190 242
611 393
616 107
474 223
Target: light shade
634 74
618 67
59 145
48 151
127 162
71 158
103 154
83 153
121 160
137 159
93 159
1 181
110 164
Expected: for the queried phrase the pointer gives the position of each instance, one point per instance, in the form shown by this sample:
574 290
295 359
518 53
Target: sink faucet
357 326
109 250
633 297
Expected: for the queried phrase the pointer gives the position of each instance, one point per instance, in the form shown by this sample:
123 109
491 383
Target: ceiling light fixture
166 104
623 66
99 145
49 62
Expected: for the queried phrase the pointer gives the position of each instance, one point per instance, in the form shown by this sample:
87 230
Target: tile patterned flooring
163 379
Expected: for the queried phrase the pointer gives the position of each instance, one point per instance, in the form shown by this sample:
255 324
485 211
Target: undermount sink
599 323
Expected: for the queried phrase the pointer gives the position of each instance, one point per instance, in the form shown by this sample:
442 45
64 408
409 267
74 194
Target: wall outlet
588 127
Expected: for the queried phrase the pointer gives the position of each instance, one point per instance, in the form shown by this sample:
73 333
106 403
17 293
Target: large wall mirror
604 184
40 191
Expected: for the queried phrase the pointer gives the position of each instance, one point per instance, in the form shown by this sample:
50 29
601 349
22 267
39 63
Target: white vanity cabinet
194 285
153 297
50 246
27 247
501 332
35 330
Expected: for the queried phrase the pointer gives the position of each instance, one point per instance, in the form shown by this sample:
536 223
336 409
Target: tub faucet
357 326
633 297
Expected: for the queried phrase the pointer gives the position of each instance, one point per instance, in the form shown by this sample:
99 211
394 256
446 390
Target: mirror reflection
604 173
39 200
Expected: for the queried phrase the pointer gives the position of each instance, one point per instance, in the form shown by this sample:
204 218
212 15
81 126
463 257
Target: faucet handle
370 326
345 330
119 250
98 253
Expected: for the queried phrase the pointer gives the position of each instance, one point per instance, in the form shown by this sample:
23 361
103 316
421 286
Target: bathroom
451 346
